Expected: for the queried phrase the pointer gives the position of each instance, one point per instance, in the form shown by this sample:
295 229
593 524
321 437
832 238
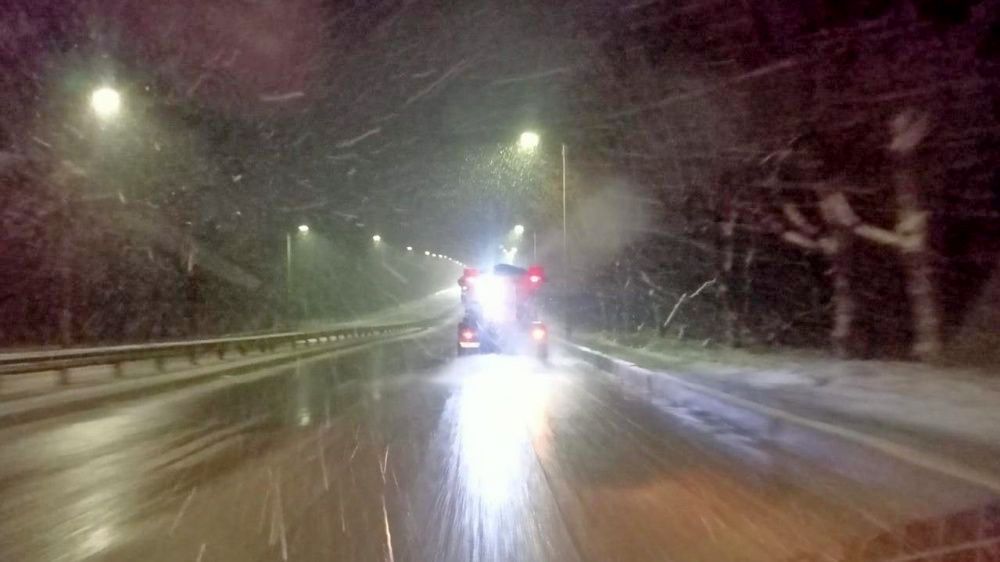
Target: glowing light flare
528 141
304 228
495 298
538 333
376 238
106 102
518 229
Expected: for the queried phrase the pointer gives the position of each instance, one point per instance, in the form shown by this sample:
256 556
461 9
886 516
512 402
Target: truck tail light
536 274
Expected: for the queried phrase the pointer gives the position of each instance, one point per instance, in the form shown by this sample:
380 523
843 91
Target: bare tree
909 236
834 241
841 227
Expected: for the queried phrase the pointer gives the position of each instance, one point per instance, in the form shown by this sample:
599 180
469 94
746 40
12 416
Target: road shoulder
945 420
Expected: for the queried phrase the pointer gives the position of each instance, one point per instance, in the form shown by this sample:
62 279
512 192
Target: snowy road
401 453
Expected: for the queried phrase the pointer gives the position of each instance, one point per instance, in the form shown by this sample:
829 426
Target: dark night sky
367 110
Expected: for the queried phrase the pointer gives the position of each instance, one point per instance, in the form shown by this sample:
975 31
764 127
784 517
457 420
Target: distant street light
409 248
303 230
106 102
518 229
528 141
376 238
427 252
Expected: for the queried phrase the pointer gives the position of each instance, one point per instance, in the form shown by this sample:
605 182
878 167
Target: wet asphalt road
400 452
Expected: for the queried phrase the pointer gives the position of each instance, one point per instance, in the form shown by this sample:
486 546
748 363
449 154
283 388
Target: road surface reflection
501 410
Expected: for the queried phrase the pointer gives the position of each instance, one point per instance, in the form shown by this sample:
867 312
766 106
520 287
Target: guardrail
63 360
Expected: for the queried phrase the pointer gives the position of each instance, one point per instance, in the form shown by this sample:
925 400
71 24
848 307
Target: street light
303 230
518 229
106 102
528 141
427 252
409 248
376 238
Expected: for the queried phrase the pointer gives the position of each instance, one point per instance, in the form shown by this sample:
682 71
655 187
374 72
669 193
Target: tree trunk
727 228
908 130
844 307
920 287
602 304
744 334
66 278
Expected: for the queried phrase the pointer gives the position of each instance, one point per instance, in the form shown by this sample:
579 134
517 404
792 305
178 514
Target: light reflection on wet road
400 453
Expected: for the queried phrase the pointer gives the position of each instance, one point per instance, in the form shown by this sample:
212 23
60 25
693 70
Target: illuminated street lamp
303 230
376 238
106 102
518 229
528 141
427 252
409 248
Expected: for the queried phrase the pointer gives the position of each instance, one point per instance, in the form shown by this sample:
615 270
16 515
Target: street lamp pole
289 293
565 245
288 268
527 142
303 229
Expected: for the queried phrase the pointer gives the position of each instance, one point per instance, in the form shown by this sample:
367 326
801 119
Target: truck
502 312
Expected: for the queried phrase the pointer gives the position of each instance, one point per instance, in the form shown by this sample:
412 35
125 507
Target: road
400 452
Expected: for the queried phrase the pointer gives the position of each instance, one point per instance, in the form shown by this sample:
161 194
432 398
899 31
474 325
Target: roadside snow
430 306
898 396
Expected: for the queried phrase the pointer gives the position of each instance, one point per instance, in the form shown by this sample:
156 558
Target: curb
847 451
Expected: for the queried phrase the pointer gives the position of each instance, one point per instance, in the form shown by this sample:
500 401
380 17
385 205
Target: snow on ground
904 397
430 306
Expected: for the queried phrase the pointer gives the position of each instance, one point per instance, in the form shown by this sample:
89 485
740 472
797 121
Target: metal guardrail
62 360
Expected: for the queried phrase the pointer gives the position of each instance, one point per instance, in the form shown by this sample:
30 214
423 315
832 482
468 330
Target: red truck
502 312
